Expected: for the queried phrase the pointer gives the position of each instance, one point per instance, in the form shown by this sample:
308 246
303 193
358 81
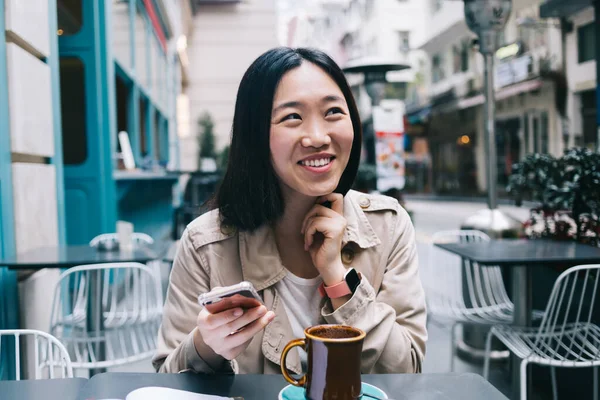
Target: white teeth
316 163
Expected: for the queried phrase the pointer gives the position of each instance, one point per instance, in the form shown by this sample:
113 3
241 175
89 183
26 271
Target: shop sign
510 50
513 71
388 124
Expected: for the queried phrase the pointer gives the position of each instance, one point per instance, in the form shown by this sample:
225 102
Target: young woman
287 222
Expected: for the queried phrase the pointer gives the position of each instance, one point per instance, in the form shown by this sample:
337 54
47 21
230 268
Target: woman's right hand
221 332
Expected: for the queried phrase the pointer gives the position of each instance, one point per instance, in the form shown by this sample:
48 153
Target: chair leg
523 380
453 345
488 350
554 385
595 383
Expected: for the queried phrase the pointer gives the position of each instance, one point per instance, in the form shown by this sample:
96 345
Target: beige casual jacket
389 303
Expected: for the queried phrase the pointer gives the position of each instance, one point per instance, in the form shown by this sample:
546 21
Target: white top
301 299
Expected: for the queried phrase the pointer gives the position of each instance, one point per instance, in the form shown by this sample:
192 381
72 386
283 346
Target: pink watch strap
336 291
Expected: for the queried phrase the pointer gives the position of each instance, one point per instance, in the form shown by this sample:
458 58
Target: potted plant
568 191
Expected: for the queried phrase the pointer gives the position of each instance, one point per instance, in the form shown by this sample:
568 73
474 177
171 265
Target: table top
70 256
524 252
260 387
47 389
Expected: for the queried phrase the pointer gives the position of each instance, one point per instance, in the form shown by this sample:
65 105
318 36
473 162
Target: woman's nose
316 137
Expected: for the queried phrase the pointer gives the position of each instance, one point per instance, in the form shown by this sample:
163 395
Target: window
456 59
72 107
437 68
404 41
586 42
144 146
70 16
465 53
122 95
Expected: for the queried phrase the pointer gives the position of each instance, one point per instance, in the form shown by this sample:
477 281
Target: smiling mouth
316 163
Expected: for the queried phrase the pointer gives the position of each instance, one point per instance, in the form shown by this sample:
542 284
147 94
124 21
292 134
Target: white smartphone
241 295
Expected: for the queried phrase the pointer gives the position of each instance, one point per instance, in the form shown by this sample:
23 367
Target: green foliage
531 177
366 177
568 184
206 137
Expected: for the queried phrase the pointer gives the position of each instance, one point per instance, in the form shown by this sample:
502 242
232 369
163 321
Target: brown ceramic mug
334 353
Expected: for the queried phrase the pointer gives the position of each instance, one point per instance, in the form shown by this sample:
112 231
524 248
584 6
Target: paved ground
429 217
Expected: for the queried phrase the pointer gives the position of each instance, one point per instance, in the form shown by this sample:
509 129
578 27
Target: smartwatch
344 288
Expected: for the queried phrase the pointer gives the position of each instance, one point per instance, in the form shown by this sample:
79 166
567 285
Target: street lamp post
487 18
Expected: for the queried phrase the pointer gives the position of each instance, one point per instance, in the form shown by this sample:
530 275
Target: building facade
529 79
73 74
226 39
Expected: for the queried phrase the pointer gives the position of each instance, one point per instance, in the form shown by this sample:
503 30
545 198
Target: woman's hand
323 229
223 333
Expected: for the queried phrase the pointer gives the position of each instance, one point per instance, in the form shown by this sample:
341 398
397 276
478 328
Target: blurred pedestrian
286 221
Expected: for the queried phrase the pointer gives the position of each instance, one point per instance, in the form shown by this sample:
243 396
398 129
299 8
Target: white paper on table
162 393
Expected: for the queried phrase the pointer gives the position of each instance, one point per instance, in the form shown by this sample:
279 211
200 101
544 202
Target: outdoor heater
374 70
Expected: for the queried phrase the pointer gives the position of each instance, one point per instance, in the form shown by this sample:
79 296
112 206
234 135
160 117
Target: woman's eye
334 110
291 116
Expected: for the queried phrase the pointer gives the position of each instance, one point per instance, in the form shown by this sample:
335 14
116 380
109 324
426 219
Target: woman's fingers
214 321
249 316
246 334
317 210
336 200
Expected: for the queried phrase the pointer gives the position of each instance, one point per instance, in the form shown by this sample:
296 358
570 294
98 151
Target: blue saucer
297 393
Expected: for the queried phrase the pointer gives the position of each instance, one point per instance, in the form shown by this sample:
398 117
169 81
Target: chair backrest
129 297
137 237
446 274
51 358
567 331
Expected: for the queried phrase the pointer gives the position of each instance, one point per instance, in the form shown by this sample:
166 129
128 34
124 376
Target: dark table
47 389
267 387
521 255
70 256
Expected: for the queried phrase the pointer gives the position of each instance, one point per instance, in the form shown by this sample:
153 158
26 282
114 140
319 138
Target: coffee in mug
334 354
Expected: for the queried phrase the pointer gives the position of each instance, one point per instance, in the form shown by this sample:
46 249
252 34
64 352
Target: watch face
352 279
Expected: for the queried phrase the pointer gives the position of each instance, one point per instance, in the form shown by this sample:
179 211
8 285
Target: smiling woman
286 221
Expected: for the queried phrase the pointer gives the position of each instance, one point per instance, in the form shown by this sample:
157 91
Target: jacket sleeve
175 345
394 318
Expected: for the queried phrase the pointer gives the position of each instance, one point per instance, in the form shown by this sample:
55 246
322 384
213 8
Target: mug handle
286 374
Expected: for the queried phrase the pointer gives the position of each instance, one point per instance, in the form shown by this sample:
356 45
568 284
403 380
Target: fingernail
262 310
238 313
270 315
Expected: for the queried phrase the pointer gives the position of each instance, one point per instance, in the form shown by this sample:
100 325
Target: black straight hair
249 195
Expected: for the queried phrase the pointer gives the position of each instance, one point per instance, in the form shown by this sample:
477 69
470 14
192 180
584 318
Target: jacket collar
261 264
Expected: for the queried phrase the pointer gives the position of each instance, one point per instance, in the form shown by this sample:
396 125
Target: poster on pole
388 124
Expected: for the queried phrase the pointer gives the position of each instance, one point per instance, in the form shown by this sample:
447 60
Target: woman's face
311 132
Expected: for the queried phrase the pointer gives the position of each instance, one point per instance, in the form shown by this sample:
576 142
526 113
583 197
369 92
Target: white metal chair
130 303
461 292
137 237
50 355
567 337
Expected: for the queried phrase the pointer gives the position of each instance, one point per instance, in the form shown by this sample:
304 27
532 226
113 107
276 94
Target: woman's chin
318 191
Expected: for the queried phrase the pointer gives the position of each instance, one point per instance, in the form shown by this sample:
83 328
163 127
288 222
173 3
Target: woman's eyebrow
331 98
298 104
288 104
